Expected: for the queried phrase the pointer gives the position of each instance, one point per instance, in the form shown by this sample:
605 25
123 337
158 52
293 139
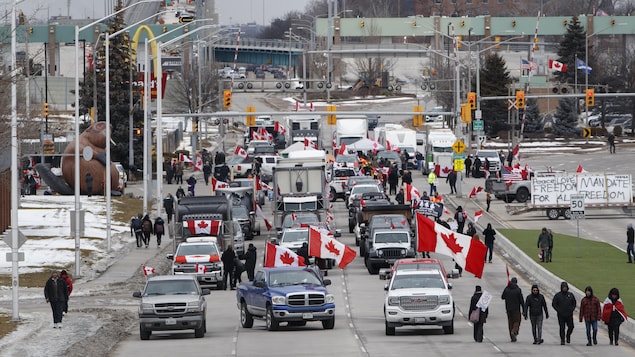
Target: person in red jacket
590 311
69 282
613 314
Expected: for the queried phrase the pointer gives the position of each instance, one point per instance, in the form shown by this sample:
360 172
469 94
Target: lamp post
15 277
300 39
108 168
77 143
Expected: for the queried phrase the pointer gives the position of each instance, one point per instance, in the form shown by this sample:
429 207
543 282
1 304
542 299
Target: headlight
146 308
380 253
329 299
393 301
278 300
403 252
444 299
194 306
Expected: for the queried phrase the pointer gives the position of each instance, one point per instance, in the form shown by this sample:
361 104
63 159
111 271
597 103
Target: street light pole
77 182
329 44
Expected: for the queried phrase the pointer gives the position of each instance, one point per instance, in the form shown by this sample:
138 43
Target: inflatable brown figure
92 139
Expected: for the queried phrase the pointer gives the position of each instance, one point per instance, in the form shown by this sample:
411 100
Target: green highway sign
478 125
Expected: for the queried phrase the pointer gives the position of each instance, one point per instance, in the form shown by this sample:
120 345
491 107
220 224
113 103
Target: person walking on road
228 267
488 236
56 293
191 184
613 314
630 239
468 165
534 306
146 228
513 296
207 172
460 217
159 230
168 205
482 318
69 284
564 303
250 261
611 140
178 174
393 180
591 312
136 228
432 181
451 179
488 200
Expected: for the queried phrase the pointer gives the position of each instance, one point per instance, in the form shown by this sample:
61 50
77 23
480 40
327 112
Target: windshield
295 277
391 237
304 218
390 155
240 212
346 158
418 266
364 189
487 154
349 141
295 236
417 281
171 287
442 149
196 249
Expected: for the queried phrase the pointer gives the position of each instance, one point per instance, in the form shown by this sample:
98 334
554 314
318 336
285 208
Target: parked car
260 74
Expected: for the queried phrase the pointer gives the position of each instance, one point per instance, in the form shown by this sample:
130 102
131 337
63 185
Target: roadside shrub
617 130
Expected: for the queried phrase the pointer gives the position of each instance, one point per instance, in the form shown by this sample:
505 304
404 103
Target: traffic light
362 23
459 41
536 40
331 119
251 119
227 98
45 109
471 100
497 39
590 97
195 125
520 99
418 116
138 131
466 113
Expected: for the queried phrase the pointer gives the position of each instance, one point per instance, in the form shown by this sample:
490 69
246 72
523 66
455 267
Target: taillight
238 167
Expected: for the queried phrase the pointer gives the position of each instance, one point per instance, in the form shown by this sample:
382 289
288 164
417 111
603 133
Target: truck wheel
356 241
449 330
328 324
351 225
553 213
566 213
246 320
145 334
200 332
333 195
371 269
390 330
362 248
522 195
509 198
272 323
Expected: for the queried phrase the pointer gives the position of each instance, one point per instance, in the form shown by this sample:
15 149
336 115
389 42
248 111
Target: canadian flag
260 214
294 216
342 149
321 245
201 268
580 169
257 183
277 256
329 217
309 143
184 158
208 227
216 184
256 136
375 146
467 252
198 166
265 186
516 152
239 151
412 193
477 215
265 134
388 146
475 190
147 270
279 128
557 66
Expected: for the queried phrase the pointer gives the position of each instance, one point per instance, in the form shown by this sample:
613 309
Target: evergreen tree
566 118
495 81
533 121
120 71
572 46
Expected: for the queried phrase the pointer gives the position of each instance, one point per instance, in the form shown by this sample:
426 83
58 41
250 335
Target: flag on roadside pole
260 214
557 66
527 65
582 66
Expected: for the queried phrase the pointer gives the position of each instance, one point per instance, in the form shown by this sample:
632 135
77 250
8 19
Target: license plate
170 321
420 320
307 315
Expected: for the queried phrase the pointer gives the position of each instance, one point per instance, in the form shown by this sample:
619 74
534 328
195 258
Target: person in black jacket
207 172
564 303
488 235
56 293
478 326
514 301
451 179
228 267
630 240
304 252
535 304
250 261
168 205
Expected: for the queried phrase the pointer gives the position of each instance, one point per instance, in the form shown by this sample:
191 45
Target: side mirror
136 294
259 284
386 287
170 256
205 291
449 286
252 213
327 282
338 233
274 240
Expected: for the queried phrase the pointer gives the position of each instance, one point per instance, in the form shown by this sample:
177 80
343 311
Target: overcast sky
239 11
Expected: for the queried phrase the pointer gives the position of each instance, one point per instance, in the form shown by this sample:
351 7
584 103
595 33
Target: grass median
583 262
